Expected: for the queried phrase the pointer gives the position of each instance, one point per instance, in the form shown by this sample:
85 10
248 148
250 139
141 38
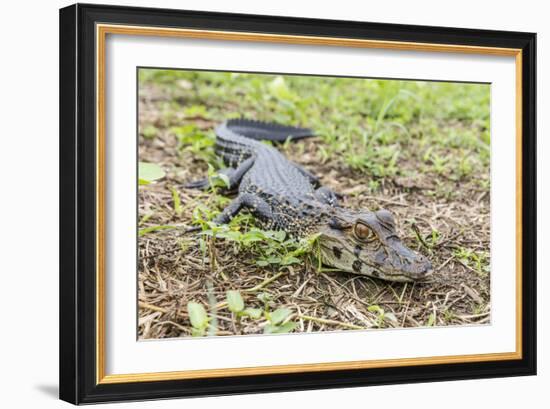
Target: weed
198 318
149 172
382 316
479 261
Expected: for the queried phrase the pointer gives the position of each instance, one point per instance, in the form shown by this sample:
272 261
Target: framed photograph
257 203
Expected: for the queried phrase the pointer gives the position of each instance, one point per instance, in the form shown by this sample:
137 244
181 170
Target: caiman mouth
342 257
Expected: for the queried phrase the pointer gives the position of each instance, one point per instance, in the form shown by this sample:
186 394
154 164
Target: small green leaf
278 235
279 315
269 329
279 329
149 172
287 260
150 229
220 180
177 202
254 313
285 328
197 315
230 235
262 263
235 301
225 179
431 320
375 308
274 260
149 132
198 332
390 316
196 111
279 89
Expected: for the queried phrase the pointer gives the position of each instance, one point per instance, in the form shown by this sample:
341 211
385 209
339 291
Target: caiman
284 196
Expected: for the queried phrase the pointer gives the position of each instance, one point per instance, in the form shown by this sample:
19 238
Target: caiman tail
237 139
263 131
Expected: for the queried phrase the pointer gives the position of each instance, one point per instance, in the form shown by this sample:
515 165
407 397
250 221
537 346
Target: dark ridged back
238 139
265 131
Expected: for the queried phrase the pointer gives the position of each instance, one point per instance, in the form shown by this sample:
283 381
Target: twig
448 239
472 293
381 199
405 314
420 238
472 316
154 308
444 263
413 321
175 324
264 283
473 270
330 322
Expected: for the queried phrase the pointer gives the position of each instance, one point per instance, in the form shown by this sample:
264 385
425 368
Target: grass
419 149
370 124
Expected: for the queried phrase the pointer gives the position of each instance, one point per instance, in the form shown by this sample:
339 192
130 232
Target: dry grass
173 269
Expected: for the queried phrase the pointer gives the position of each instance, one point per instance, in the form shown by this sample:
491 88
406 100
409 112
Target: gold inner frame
101 33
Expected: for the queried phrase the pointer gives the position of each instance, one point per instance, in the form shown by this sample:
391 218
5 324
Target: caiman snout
419 269
395 260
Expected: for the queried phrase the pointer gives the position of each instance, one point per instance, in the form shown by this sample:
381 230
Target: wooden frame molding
103 30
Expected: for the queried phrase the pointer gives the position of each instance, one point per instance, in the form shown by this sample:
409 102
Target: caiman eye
363 232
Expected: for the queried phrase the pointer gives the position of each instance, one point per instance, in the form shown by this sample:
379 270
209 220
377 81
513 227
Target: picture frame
84 175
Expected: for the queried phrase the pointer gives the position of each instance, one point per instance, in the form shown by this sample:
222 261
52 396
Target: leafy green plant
217 179
280 90
151 229
236 305
277 324
196 111
277 320
434 237
271 248
149 172
196 141
431 320
149 132
439 163
177 201
198 317
382 316
478 261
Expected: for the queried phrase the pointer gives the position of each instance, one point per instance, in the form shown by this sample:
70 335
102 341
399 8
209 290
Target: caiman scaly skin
284 196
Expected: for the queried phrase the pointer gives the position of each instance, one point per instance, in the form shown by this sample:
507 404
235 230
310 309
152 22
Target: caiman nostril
428 269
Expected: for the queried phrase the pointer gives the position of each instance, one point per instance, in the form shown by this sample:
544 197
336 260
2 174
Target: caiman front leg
234 175
328 196
258 206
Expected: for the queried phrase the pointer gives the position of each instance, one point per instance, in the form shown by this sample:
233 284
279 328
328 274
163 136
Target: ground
418 149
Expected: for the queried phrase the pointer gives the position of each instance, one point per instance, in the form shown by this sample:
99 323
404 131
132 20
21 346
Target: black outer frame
78 197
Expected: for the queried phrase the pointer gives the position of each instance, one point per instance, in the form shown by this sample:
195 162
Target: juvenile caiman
284 196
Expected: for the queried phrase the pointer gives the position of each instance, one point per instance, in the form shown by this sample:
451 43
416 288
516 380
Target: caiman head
366 243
